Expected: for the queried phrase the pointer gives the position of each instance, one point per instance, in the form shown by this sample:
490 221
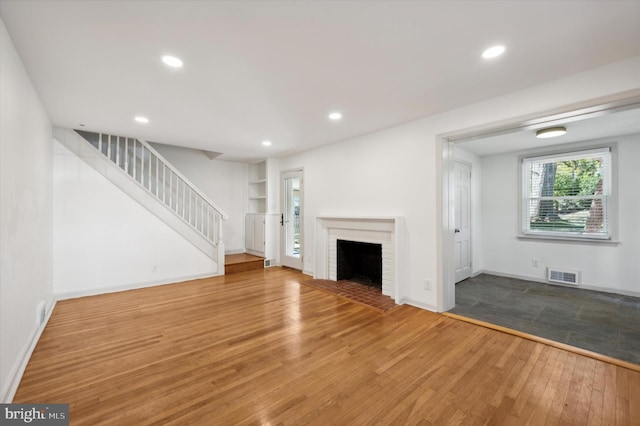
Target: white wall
384 174
104 240
25 216
477 257
396 171
606 267
224 182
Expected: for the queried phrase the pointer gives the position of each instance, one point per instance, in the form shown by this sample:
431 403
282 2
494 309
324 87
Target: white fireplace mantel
385 230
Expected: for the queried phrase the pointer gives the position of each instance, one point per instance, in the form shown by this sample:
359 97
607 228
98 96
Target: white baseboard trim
10 387
543 281
234 251
516 276
417 304
310 273
125 287
608 290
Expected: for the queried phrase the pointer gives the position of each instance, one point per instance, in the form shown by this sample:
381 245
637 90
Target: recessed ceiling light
141 119
266 143
493 52
172 61
551 132
335 116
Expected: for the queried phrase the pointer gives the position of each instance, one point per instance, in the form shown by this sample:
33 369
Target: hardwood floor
259 348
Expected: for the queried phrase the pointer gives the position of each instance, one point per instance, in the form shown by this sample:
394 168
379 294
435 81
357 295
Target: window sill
567 240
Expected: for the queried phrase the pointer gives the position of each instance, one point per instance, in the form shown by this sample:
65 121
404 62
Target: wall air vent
269 262
561 276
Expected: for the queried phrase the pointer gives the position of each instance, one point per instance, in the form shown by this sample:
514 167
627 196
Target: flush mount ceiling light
551 132
335 116
493 52
141 119
172 61
266 143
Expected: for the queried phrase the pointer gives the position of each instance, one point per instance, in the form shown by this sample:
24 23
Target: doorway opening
508 134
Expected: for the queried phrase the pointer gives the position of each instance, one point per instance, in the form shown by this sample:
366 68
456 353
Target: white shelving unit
261 222
258 187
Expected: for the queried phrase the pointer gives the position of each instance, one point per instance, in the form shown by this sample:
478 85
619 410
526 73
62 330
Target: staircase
141 172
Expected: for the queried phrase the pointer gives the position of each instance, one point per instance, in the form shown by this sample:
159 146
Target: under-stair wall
104 234
105 241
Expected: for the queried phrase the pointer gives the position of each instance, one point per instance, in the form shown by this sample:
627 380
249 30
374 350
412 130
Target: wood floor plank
543 413
597 397
634 389
609 396
584 396
258 347
622 412
557 406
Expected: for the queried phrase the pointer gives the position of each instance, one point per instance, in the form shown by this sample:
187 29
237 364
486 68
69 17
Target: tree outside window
567 194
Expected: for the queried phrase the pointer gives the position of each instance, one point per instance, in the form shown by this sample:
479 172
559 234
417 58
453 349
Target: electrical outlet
427 285
41 313
154 268
535 263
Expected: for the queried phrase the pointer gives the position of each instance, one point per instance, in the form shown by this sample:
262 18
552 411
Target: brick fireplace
384 231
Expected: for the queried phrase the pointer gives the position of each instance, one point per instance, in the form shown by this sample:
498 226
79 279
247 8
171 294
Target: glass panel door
292 220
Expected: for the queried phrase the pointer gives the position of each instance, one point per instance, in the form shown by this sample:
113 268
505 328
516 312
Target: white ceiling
601 127
274 70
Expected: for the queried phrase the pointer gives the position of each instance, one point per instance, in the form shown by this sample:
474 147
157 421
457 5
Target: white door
291 220
462 173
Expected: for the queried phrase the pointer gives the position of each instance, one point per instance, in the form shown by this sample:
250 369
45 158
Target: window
567 195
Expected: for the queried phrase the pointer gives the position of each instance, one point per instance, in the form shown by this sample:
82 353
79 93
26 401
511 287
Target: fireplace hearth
359 262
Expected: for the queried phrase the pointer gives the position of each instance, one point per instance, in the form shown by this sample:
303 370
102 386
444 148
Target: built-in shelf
258 187
261 222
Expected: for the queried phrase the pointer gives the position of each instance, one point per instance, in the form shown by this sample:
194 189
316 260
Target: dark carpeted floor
605 323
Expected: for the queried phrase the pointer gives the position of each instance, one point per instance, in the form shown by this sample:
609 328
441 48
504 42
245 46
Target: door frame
283 189
445 157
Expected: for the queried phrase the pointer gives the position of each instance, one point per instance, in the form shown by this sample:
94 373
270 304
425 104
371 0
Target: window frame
609 201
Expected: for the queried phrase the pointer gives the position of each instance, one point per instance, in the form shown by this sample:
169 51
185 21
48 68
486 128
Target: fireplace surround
386 231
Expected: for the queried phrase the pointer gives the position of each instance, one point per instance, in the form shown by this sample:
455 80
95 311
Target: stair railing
160 179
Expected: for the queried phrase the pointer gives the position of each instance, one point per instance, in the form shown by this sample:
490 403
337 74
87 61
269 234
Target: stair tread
232 259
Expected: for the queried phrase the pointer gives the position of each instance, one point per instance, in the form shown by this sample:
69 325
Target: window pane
548 216
567 194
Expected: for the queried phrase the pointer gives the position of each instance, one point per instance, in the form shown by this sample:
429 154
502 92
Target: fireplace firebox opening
359 262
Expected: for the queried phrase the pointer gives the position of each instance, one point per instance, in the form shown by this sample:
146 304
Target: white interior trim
132 286
415 303
544 281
